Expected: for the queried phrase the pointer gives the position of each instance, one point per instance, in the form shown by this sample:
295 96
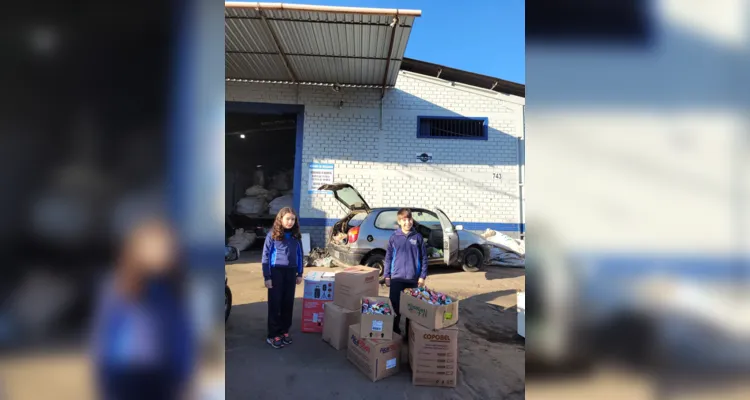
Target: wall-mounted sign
320 174
424 157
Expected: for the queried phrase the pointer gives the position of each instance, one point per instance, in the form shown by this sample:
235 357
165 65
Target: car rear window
386 220
357 219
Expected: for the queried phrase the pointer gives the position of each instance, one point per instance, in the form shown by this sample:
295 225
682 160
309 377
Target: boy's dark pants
281 300
395 295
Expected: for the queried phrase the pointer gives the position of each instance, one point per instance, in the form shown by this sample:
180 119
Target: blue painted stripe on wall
497 226
469 226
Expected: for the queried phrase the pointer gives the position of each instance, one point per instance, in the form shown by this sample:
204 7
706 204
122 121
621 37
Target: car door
450 238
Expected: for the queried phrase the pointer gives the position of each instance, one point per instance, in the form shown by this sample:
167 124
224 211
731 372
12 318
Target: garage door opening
260 164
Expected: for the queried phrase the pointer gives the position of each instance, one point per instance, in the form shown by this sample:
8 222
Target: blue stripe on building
469 226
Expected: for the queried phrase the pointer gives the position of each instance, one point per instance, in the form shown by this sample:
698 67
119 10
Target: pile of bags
261 200
506 251
504 242
254 202
280 202
241 240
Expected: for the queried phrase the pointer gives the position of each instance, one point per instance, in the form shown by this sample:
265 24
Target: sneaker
286 339
276 342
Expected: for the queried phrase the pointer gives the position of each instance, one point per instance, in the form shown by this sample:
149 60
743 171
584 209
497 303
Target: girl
143 341
282 269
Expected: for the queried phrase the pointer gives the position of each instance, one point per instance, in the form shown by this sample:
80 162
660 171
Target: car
367 231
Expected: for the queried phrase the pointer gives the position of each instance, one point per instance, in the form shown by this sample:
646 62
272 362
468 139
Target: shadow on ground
490 272
491 360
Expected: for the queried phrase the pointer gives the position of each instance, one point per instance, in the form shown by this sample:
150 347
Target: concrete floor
491 356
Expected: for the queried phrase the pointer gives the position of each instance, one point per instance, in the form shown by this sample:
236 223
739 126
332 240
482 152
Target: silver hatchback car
361 237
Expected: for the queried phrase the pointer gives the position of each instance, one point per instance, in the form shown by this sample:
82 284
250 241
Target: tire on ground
376 260
473 259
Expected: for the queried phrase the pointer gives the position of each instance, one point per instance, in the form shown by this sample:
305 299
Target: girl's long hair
278 227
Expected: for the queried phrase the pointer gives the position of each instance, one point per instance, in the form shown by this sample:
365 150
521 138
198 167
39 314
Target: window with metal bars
452 128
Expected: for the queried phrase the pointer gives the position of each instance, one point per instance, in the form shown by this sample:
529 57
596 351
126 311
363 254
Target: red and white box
312 315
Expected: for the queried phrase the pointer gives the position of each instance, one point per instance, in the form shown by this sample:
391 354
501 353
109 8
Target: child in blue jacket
282 269
405 263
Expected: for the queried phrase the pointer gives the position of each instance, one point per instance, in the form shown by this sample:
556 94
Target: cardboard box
429 315
377 359
312 315
376 326
319 285
433 356
337 323
352 284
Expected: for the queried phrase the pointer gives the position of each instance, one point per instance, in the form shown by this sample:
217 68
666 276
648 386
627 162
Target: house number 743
497 175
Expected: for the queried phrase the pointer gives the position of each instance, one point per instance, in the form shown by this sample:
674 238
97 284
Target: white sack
280 202
256 191
241 240
505 242
251 205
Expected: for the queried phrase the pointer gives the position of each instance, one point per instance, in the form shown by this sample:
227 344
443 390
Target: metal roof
293 43
465 77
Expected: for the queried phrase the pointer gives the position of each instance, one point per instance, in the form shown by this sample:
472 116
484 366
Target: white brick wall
381 164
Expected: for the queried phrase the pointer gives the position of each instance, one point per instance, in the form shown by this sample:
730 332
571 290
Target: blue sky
481 36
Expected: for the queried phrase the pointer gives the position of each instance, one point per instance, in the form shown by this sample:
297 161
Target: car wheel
227 302
473 260
376 260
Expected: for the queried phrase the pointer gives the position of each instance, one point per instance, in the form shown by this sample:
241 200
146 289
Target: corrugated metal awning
290 43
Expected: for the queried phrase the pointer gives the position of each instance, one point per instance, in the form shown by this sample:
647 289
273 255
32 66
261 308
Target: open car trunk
341 228
354 202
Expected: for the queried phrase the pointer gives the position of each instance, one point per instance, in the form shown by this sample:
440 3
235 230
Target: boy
405 264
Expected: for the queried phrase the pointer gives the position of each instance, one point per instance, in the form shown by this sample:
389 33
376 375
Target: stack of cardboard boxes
350 285
433 341
371 344
369 339
373 347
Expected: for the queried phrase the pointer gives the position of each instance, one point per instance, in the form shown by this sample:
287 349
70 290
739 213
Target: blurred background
111 158
638 178
638 181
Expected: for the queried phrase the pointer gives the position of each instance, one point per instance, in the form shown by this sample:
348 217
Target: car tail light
353 234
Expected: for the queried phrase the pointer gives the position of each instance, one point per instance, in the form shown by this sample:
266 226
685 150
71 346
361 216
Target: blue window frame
463 128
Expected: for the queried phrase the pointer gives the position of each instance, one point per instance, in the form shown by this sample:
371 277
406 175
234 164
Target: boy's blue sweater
284 253
406 256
